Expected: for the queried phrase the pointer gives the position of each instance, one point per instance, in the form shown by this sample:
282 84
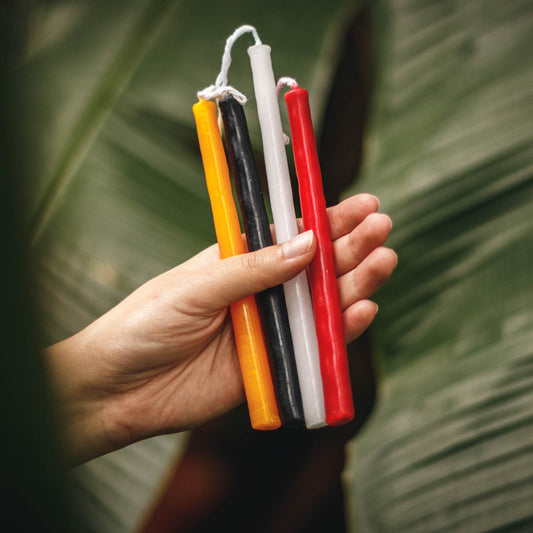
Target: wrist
85 411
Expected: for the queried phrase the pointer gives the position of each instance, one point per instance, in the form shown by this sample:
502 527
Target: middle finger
351 249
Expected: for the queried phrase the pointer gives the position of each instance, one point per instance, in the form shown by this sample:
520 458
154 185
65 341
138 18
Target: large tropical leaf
450 447
116 192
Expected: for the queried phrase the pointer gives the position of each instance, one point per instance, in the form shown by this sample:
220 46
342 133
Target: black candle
257 228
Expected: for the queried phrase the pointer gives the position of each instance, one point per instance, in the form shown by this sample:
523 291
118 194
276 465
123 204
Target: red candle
324 290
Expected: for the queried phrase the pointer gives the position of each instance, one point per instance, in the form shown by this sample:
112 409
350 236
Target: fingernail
298 245
377 199
377 308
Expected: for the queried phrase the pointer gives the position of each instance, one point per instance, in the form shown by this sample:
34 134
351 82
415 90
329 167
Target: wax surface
251 349
297 296
257 227
323 280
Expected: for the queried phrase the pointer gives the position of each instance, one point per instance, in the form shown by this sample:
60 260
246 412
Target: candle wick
222 78
290 82
293 84
214 92
221 87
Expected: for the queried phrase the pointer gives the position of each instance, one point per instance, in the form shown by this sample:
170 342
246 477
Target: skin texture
164 360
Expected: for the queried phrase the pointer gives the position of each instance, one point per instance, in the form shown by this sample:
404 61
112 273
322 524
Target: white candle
296 290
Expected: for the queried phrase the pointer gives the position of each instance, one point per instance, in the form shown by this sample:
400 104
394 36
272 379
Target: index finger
349 213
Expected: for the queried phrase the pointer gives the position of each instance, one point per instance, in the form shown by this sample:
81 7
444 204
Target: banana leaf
450 154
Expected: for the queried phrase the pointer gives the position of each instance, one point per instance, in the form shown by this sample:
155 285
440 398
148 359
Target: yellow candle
245 317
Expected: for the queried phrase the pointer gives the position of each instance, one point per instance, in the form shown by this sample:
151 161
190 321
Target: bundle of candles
292 351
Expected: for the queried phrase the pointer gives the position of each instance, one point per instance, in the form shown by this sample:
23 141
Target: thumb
235 277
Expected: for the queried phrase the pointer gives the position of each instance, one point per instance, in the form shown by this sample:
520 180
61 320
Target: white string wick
221 87
290 82
293 84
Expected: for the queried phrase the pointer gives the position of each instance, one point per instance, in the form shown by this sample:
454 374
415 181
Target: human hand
164 359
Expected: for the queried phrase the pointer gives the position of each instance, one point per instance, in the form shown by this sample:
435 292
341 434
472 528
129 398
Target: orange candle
251 348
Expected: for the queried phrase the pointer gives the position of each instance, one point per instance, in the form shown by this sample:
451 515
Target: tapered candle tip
259 49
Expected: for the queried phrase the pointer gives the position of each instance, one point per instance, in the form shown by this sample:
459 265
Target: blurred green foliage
450 154
115 194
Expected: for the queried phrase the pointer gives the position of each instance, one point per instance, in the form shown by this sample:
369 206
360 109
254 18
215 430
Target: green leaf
450 447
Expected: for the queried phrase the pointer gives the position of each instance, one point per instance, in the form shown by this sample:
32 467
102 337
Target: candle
326 305
296 290
257 228
251 349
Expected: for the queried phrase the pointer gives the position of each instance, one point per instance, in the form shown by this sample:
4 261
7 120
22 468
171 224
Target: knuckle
253 263
354 246
343 216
